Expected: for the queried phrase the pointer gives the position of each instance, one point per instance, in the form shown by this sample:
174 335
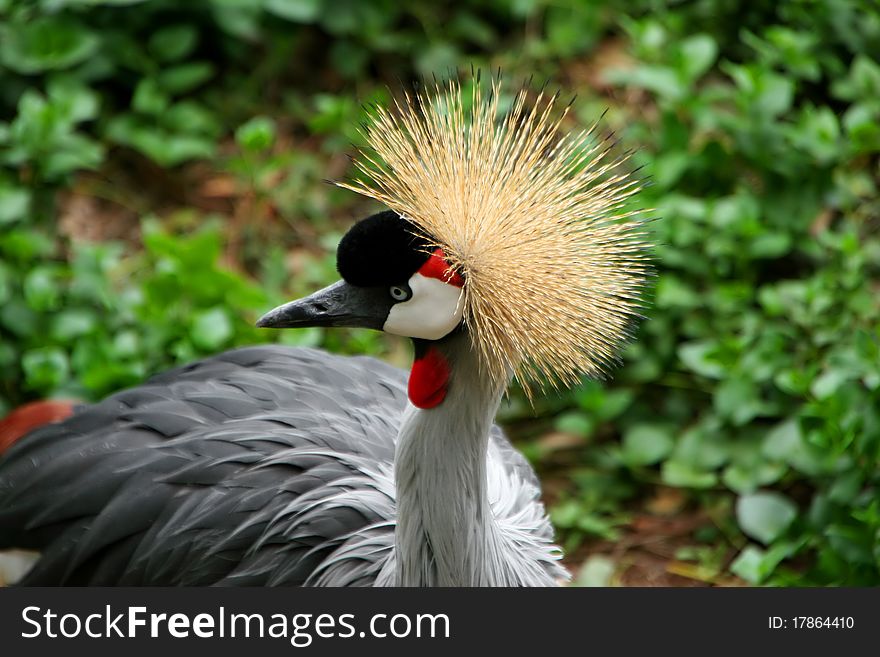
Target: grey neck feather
446 533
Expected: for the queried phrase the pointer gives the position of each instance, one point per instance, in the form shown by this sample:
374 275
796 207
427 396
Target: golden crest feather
534 218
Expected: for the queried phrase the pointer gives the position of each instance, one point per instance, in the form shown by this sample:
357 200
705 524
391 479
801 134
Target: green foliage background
754 385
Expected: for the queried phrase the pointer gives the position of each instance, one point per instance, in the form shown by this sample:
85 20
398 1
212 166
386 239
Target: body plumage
260 466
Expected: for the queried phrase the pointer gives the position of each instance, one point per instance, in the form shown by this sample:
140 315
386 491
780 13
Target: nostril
320 306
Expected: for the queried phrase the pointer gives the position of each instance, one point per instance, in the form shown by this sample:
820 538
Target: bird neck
446 530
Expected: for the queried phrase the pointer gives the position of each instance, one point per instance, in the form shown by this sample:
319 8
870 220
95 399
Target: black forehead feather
383 249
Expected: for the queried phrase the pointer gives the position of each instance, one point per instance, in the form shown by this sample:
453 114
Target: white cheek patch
434 309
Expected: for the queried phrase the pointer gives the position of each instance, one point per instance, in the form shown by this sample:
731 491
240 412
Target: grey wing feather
177 481
260 466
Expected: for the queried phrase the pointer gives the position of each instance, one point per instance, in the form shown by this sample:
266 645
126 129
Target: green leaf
661 80
437 57
770 245
126 344
72 99
684 475
596 570
697 356
299 11
211 329
73 323
818 133
668 168
5 283
601 403
764 93
188 117
258 134
673 292
165 148
703 446
775 95
765 516
149 97
646 444
41 288
240 19
25 245
785 443
173 43
738 399
827 383
15 202
862 82
45 368
46 43
72 153
575 423
846 488
184 78
16 317
571 28
749 565
748 477
697 53
59 4
862 124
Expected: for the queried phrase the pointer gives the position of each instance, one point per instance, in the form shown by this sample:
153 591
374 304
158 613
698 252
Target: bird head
501 222
393 279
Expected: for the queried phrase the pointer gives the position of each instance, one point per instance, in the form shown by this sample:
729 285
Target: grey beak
339 304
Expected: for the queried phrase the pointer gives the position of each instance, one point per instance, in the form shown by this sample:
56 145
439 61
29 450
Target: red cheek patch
437 267
429 379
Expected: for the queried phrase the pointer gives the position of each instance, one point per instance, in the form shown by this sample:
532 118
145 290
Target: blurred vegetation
161 169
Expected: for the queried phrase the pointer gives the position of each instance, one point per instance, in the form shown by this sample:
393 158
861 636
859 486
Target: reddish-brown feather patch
428 379
437 267
25 419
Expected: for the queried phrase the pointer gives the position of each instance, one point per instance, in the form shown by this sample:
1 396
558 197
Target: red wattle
428 379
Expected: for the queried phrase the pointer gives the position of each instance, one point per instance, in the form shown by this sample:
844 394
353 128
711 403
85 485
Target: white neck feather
446 533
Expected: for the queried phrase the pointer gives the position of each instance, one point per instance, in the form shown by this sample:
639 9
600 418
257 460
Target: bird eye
400 292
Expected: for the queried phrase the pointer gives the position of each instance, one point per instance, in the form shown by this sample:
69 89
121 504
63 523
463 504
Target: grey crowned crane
506 250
